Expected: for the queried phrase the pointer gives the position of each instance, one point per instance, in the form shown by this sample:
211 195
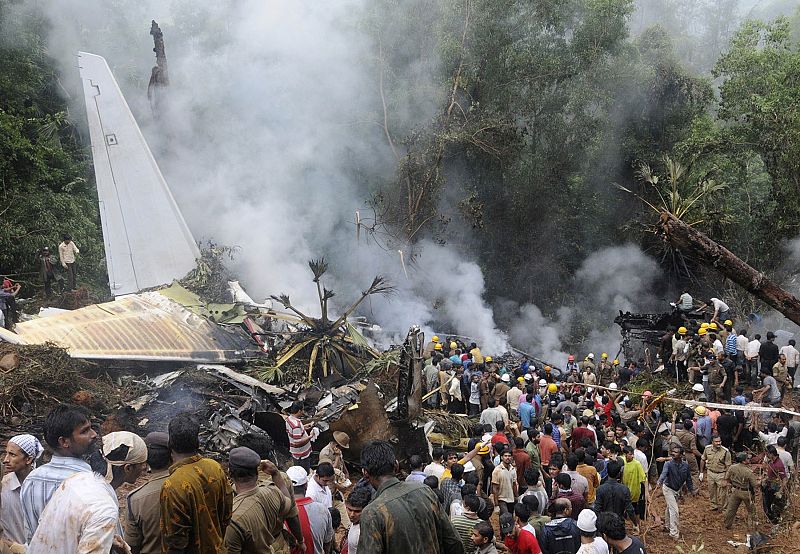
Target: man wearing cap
716 459
196 498
332 452
258 511
143 521
315 520
68 431
590 542
743 484
501 389
22 451
430 347
402 517
83 513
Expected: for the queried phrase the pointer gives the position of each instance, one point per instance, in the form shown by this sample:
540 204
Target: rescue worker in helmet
571 364
430 347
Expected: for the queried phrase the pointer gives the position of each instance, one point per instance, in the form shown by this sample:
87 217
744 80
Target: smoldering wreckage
179 336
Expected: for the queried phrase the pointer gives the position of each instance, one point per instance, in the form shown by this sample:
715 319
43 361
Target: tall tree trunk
697 245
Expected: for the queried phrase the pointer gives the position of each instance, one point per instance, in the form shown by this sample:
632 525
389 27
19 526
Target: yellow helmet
604 355
700 410
552 387
547 369
728 322
616 362
453 346
704 325
681 330
483 450
712 326
488 359
702 331
437 346
435 338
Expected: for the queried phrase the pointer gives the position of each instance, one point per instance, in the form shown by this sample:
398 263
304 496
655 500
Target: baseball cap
298 475
587 521
137 449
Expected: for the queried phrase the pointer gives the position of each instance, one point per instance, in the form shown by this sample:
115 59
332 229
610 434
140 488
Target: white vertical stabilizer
146 239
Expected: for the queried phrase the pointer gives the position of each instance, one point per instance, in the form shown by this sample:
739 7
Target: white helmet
612 386
542 383
590 356
697 387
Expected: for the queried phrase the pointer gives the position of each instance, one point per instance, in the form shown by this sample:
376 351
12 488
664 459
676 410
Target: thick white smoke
271 140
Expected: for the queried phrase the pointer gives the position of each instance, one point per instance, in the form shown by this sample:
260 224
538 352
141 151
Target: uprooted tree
697 245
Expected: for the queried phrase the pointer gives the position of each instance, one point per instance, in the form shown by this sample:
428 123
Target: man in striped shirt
68 431
299 438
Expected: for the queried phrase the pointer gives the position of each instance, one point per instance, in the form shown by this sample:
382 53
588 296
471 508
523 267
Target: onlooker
315 520
196 499
504 483
318 488
673 477
67 251
299 438
561 534
356 502
403 517
22 451
259 512
590 542
143 519
83 513
483 538
417 473
48 272
68 431
612 527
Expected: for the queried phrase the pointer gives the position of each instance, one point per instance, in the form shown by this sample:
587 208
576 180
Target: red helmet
570 358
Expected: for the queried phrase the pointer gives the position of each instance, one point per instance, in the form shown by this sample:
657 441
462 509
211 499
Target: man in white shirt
751 355
741 346
318 488
356 502
792 358
436 467
785 456
67 251
685 302
720 309
83 513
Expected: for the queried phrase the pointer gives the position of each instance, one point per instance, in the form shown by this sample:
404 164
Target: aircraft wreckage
236 363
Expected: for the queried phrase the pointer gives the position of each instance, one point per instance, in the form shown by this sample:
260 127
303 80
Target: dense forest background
533 113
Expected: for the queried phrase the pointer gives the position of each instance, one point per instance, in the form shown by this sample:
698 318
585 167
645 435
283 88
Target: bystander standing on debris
67 253
8 306
49 273
299 437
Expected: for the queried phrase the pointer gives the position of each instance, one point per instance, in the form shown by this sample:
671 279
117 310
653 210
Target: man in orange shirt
547 446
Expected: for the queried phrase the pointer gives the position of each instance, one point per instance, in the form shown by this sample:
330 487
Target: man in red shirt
522 461
547 446
299 438
315 519
500 435
519 536
581 432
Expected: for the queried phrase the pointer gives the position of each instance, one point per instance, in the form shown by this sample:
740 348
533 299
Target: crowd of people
560 461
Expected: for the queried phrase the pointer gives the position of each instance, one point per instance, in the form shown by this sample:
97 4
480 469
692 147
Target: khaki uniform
257 522
688 441
143 520
743 484
717 463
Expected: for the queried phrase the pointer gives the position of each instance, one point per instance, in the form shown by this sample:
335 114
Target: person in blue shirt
673 477
526 409
739 399
703 427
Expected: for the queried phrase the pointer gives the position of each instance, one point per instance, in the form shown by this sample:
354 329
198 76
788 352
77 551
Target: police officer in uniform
743 483
143 521
716 459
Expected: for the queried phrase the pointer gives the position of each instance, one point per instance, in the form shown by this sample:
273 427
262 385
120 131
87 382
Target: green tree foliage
46 182
540 107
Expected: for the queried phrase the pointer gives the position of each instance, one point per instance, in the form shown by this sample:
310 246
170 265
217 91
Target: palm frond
318 268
